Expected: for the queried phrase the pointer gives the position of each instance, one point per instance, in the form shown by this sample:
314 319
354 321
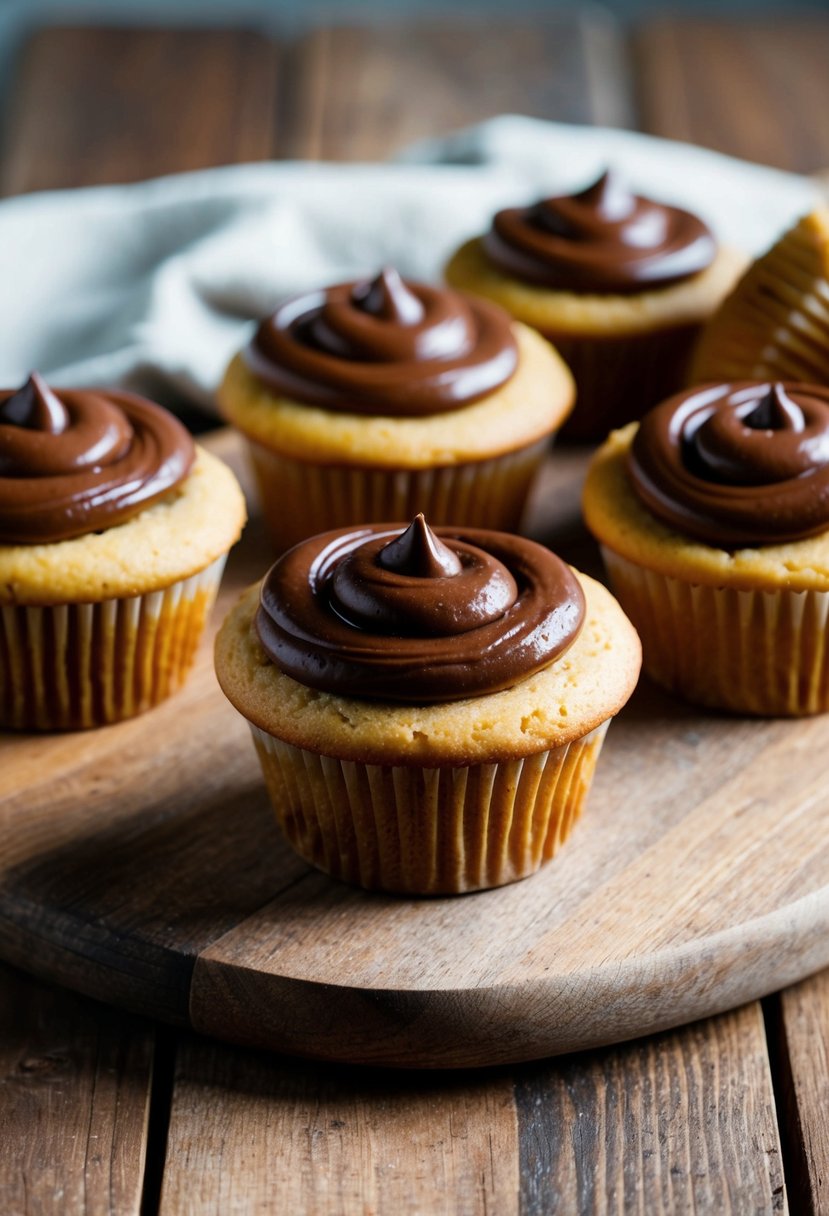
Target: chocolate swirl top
603 240
737 464
384 347
417 615
74 461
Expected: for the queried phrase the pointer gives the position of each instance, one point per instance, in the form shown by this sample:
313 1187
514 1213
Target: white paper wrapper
428 831
68 666
300 500
754 652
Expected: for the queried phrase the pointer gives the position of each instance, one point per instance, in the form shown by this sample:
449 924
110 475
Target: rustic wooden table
106 1113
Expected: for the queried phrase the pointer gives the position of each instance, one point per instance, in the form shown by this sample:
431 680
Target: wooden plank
802 1082
251 1133
74 1100
362 93
118 105
749 87
682 1122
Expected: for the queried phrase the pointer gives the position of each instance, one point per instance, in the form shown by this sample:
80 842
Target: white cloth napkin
154 285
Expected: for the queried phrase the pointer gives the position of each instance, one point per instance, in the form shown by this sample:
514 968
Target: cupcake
114 530
372 401
618 283
428 706
774 325
713 517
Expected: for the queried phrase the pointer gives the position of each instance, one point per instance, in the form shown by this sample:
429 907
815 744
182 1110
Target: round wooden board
142 865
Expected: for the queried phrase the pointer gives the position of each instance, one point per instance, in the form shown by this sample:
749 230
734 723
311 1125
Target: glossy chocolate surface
388 347
737 464
417 615
602 240
74 461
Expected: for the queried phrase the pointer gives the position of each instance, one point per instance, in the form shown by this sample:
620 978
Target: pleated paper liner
428 831
753 652
68 666
300 499
775 323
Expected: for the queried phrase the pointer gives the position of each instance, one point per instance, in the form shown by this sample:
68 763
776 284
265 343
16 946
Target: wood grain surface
802 1057
362 93
142 865
750 86
74 1099
120 105
683 1122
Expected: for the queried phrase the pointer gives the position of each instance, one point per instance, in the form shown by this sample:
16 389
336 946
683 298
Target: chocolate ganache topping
737 464
417 615
74 461
604 239
388 346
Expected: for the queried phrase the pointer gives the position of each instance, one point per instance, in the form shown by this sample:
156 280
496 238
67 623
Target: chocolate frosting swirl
604 239
384 347
417 615
737 464
74 461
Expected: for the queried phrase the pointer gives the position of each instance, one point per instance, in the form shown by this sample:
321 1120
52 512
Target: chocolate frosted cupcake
713 516
428 707
374 400
618 283
114 530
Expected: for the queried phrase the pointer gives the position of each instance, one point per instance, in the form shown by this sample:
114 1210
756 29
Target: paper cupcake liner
68 666
299 499
754 652
775 323
428 831
618 379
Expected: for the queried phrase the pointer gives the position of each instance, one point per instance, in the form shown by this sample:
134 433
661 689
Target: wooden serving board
141 864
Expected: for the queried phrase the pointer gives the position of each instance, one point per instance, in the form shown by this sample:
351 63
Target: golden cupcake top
384 346
417 615
78 461
603 240
737 464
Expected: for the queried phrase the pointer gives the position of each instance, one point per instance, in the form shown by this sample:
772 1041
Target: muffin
114 530
774 325
713 517
618 283
428 707
372 401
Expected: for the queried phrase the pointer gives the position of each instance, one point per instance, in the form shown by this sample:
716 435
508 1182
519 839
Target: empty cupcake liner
300 499
67 666
775 323
753 652
428 831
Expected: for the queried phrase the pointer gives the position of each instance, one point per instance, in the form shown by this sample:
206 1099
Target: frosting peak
412 614
388 297
419 553
602 239
35 407
74 461
774 411
384 346
737 464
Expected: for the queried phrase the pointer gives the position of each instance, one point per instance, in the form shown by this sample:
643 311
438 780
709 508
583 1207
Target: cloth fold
153 286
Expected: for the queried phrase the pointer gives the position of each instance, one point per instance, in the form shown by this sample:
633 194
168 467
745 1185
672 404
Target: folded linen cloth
154 285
